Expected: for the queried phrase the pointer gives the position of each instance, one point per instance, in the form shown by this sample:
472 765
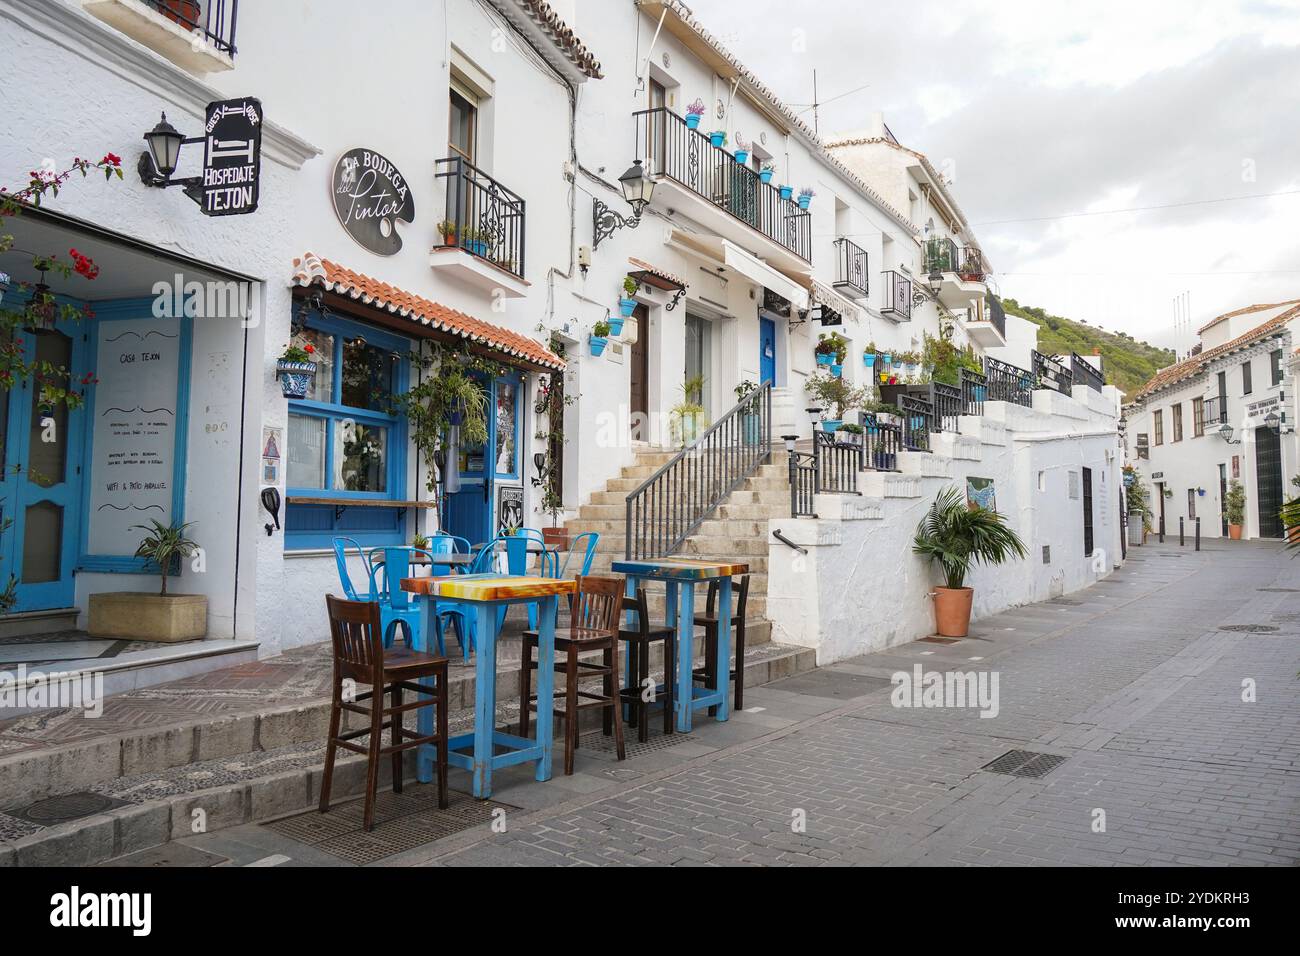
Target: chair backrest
395 566
597 603
446 544
588 550
516 549
341 562
738 605
639 606
357 637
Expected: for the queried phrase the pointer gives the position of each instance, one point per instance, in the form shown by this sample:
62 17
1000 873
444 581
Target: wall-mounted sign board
232 158
370 197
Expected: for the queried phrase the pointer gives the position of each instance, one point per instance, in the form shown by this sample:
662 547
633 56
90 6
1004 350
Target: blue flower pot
805 202
751 425
295 378
825 359
787 192
837 369
868 359
627 307
477 247
597 343
692 120
742 156
831 425
717 139
616 324
765 175
889 359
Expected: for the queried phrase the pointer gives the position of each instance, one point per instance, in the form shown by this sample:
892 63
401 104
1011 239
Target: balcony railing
882 441
940 255
851 268
1049 373
214 19
483 217
838 464
1085 373
972 265
1216 411
946 401
1008 383
672 149
974 391
896 297
997 316
918 422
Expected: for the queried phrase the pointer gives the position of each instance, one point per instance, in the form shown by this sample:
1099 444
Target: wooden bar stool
638 657
709 621
359 655
593 626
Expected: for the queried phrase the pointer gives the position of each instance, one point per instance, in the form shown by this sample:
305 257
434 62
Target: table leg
424 720
724 647
685 698
628 618
485 699
548 608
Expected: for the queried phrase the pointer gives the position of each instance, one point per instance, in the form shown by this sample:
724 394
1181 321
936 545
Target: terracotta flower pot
185 13
1293 533
558 536
952 611
1234 532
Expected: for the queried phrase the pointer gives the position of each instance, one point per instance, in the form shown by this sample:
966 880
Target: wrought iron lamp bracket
605 222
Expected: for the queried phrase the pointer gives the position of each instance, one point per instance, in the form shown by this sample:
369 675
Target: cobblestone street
1137 682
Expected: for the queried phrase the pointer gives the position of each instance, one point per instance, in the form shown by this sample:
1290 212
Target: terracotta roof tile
1192 366
1246 311
312 270
655 270
562 36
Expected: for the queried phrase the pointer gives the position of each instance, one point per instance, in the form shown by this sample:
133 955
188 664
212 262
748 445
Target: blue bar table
486 593
680 575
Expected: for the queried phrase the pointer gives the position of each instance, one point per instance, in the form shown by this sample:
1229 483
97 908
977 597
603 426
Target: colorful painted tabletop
489 587
679 568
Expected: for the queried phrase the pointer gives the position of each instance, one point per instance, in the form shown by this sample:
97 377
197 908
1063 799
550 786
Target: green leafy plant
1139 497
419 542
1234 503
601 329
630 286
956 537
298 353
853 428
689 409
832 344
163 545
943 360
832 392
447 229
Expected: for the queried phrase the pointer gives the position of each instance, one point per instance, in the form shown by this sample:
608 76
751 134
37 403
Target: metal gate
1268 477
1087 512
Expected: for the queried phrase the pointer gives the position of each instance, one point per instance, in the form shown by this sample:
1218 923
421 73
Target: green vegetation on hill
1129 363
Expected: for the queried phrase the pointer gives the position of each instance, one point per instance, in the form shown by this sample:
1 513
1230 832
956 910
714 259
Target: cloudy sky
1056 114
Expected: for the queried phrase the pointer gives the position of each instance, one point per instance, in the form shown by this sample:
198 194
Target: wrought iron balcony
1085 373
1049 373
673 150
896 300
851 268
997 315
971 268
1216 411
483 217
214 19
940 255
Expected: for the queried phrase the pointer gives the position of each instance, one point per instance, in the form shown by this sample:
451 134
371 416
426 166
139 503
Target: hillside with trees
1129 362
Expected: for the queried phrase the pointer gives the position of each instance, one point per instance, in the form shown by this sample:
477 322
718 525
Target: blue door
40 477
469 511
766 350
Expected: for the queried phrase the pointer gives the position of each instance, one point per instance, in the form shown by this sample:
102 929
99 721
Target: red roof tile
332 277
1246 311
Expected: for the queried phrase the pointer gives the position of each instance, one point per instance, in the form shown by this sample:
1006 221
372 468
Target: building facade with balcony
1226 413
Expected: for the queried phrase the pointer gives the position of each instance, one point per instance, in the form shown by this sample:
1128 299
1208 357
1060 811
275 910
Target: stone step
29 623
270 765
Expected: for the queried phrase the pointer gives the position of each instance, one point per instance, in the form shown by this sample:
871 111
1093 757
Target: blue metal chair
451 612
395 605
341 561
593 538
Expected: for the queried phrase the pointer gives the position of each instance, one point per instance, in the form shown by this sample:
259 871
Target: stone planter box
141 616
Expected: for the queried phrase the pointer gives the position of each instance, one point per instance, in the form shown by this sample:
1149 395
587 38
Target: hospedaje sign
232 158
370 197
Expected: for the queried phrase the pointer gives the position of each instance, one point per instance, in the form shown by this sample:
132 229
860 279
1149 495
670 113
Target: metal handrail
776 533
485 218
851 270
665 509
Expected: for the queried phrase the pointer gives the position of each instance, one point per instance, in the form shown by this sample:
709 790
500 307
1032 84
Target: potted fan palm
957 536
1234 504
688 415
143 616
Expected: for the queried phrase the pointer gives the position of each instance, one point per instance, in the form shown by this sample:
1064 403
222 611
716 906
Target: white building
1227 413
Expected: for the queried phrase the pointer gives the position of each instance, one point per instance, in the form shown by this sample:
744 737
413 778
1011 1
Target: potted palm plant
688 414
143 616
1234 504
957 536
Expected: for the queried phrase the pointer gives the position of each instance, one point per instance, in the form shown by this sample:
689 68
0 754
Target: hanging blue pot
889 359
742 156
717 139
825 359
597 343
692 120
837 369
831 425
787 192
868 359
627 306
616 324
765 175
805 202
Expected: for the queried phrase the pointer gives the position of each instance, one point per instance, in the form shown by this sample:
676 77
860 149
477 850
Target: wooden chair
709 621
593 626
359 655
639 640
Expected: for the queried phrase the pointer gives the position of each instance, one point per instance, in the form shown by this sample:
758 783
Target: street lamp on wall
157 165
935 281
1225 432
637 191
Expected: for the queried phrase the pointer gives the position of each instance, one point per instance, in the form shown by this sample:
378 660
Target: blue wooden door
766 351
469 511
40 483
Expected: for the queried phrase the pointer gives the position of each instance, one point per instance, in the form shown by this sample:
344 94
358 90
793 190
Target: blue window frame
505 410
344 442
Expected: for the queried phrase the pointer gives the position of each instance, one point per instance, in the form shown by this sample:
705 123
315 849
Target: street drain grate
1025 763
598 745
70 806
402 822
1249 628
1280 590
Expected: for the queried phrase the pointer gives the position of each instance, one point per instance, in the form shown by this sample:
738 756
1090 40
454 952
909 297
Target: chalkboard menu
133 449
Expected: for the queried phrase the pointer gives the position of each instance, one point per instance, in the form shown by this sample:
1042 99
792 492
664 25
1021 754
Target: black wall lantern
157 165
539 465
935 281
637 190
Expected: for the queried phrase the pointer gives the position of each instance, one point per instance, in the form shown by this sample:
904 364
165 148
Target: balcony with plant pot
985 323
962 270
197 35
482 232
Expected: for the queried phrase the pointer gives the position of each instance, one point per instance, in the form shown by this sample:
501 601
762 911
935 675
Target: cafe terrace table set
486 749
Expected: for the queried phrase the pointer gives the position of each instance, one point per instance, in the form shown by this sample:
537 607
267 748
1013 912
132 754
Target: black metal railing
972 265
918 422
1049 373
839 459
1008 383
851 268
803 484
882 441
940 255
1085 373
669 505
1216 411
896 295
997 315
974 391
946 401
214 19
673 149
483 217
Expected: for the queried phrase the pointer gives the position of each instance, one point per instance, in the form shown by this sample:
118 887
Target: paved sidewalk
1133 681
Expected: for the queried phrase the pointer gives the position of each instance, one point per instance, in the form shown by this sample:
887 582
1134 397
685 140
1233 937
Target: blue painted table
680 575
487 593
